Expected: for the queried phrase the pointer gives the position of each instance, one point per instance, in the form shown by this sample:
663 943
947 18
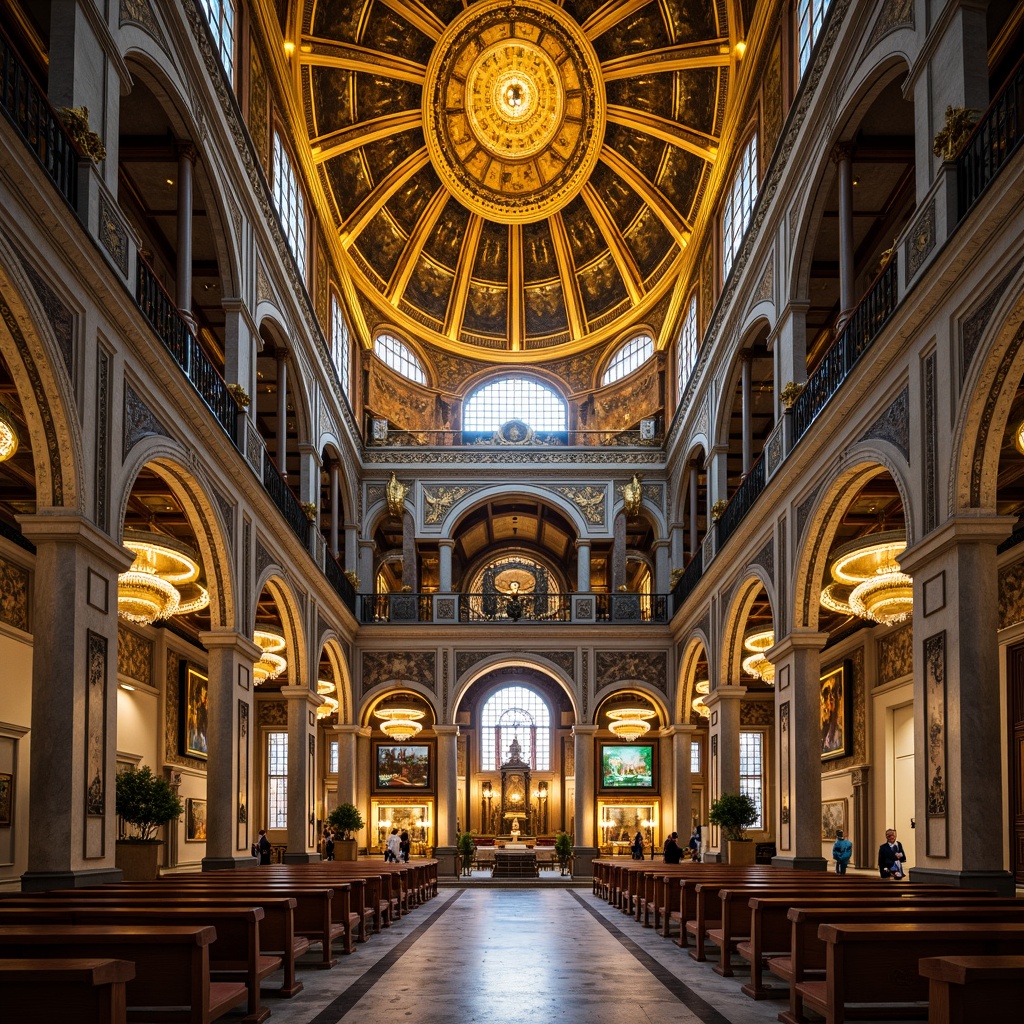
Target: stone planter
138 861
346 849
742 852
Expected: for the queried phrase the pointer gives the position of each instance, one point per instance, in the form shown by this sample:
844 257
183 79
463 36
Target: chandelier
756 664
8 434
630 723
161 582
702 687
271 663
325 687
867 582
399 723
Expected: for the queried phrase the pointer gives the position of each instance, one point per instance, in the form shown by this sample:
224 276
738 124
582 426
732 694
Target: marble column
231 726
364 751
73 743
842 156
302 838
746 412
281 455
619 552
694 487
352 549
348 773
367 579
680 785
183 243
445 826
583 566
445 549
661 567
724 757
335 485
410 569
958 735
586 848
797 660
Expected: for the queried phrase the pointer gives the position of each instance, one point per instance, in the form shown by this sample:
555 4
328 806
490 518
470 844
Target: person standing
328 844
404 845
694 844
394 850
263 847
842 851
673 851
891 857
638 846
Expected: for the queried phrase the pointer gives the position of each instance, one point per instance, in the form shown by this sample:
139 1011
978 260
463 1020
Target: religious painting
6 799
195 820
402 766
836 708
619 823
628 766
833 818
195 712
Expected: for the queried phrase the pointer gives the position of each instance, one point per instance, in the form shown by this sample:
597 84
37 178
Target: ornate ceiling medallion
514 109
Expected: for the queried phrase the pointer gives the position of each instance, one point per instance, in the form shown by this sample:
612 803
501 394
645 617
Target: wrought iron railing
858 332
288 505
994 140
340 582
403 607
515 608
29 111
739 504
635 608
689 579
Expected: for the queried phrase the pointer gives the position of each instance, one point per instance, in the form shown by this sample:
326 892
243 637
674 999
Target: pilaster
302 838
586 848
447 798
724 756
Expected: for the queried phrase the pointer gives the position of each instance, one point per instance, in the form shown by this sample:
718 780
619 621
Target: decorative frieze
134 655
649 667
896 654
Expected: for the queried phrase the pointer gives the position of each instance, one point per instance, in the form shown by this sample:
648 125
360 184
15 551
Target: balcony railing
341 583
29 111
739 504
389 437
994 140
288 505
690 578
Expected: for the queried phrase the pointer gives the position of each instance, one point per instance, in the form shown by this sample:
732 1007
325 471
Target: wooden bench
959 986
73 991
172 966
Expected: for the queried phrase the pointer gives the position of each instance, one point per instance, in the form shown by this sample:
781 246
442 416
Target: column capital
230 640
348 730
842 151
678 730
797 640
446 730
961 529
657 544
724 693
186 151
302 693
582 542
446 542
584 730
61 527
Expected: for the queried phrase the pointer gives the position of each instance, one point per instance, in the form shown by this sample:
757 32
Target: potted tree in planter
344 820
563 851
733 813
467 850
146 802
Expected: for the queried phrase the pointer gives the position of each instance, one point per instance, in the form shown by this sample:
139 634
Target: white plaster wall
15 717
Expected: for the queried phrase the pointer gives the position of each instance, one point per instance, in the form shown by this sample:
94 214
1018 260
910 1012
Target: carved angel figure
396 492
632 496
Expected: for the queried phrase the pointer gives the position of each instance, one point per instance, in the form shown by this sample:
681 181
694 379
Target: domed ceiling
514 176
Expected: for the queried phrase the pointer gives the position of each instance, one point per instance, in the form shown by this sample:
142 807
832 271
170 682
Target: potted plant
467 850
344 820
563 850
732 813
146 802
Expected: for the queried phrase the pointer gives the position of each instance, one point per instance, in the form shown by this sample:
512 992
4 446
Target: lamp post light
648 824
384 826
488 791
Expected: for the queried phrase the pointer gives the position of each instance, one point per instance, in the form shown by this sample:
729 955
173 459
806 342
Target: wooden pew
959 985
371 896
172 966
73 991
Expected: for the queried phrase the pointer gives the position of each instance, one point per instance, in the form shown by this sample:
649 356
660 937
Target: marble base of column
228 863
583 858
801 863
447 861
301 858
1000 882
713 858
43 881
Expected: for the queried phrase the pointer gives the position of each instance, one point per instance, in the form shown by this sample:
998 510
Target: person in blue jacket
842 851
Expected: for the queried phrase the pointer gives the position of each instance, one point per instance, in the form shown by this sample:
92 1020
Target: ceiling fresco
513 179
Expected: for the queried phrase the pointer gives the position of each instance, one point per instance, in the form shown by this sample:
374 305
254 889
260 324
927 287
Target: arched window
291 207
220 15
515 712
686 348
628 358
810 16
341 346
399 357
514 398
739 204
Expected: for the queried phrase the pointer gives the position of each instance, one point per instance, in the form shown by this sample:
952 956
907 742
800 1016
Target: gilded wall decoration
400 666
803 512
399 403
264 559
707 286
264 290
578 371
896 654
785 773
322 290
585 682
452 371
460 755
375 493
972 328
766 288
134 655
589 500
96 723
1011 594
771 99
272 713
227 513
935 738
140 12
920 241
895 14
637 397
569 756
438 501
649 667
607 456
14 595
139 421
757 712
259 127
242 769
113 235
894 424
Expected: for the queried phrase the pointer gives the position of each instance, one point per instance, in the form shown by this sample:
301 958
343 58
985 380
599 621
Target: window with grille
399 357
515 398
291 207
810 16
752 772
332 760
686 348
739 205
341 346
695 757
220 15
277 780
515 712
629 357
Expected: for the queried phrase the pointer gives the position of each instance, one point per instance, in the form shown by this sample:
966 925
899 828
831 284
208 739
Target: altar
512 861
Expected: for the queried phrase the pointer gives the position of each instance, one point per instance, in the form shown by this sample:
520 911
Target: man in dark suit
891 856
673 851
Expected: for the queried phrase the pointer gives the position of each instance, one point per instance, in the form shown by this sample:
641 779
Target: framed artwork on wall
402 766
836 708
195 687
195 820
628 766
6 799
833 818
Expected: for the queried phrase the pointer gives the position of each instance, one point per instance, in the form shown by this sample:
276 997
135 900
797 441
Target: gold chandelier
330 705
630 723
399 723
161 582
867 582
271 663
756 664
8 434
702 687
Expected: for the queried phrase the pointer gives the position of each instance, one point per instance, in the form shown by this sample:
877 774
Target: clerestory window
629 357
515 398
396 354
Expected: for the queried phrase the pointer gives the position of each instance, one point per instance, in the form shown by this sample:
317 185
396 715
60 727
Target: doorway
902 797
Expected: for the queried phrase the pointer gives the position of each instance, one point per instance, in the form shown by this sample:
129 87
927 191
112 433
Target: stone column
447 798
724 757
717 475
409 567
619 552
363 753
229 783
73 744
348 771
445 549
586 848
661 567
789 343
335 485
183 290
583 566
958 735
797 661
746 412
352 549
367 582
842 156
680 784
864 849
281 455
694 485
302 838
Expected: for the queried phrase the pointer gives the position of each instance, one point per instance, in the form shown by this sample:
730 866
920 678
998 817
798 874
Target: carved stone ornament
633 496
396 492
790 393
959 124
76 121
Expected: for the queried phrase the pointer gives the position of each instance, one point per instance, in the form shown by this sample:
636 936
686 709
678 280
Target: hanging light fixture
8 434
162 581
271 663
399 723
702 687
867 582
328 708
756 664
630 723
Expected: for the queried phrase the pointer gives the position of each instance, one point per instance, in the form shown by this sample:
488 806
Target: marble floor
505 956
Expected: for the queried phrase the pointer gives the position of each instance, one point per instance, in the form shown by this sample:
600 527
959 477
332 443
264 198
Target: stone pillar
335 485
746 412
724 757
239 356
619 552
842 156
231 726
958 735
718 476
797 661
694 486
348 771
281 455
302 838
789 343
583 566
864 848
586 848
680 784
367 549
409 567
363 753
183 290
445 549
445 827
662 571
352 551
72 825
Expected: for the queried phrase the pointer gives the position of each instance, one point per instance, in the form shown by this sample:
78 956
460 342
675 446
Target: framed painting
833 818
194 712
6 799
836 709
628 766
195 820
402 766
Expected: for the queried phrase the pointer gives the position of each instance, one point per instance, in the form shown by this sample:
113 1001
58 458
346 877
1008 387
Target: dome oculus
513 109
